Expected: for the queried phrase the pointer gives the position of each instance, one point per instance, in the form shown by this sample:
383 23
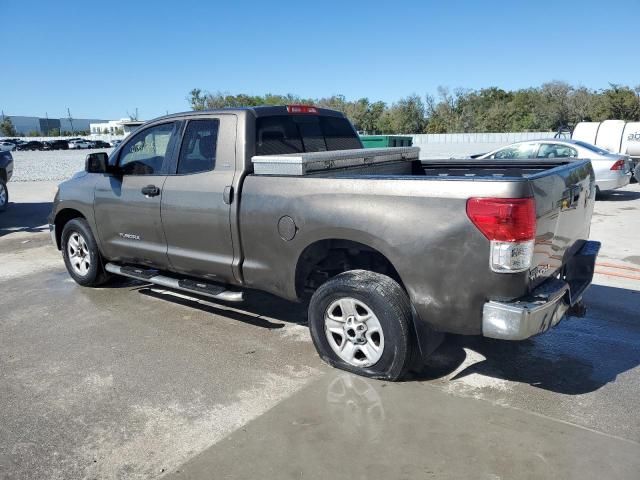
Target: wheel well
61 220
325 259
3 174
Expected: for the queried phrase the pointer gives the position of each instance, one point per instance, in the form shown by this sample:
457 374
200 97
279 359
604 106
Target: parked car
100 144
30 146
79 144
616 136
612 170
6 171
115 143
388 251
56 145
7 146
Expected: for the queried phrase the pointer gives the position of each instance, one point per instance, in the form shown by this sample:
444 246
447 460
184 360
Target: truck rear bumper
546 305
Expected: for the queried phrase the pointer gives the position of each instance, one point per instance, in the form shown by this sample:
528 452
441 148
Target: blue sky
104 58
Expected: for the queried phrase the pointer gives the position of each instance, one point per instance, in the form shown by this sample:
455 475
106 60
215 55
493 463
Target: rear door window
556 150
282 134
198 151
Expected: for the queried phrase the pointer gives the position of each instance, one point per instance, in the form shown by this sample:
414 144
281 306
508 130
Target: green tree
7 129
618 102
196 99
544 108
384 124
408 115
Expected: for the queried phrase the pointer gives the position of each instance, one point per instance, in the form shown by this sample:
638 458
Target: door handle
150 191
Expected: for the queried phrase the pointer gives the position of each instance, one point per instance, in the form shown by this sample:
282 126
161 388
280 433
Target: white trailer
617 136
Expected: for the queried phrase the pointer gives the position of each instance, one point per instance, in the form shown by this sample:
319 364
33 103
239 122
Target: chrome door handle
150 191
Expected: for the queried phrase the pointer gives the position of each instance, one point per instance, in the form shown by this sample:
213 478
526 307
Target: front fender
74 198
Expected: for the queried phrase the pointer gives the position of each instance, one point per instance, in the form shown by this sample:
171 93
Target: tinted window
339 134
144 153
556 150
523 150
198 151
592 148
304 133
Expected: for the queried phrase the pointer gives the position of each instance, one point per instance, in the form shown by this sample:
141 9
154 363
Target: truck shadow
25 217
259 309
618 196
578 356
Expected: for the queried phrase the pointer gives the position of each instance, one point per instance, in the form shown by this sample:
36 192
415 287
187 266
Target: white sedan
612 170
7 146
79 144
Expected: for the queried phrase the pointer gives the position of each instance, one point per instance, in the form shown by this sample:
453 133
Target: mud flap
578 273
427 340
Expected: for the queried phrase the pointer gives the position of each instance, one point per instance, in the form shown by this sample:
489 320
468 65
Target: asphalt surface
136 382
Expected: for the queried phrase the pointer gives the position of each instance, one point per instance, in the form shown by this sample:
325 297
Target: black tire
95 274
391 306
598 193
4 199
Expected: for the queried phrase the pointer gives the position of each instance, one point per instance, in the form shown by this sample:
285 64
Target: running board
186 285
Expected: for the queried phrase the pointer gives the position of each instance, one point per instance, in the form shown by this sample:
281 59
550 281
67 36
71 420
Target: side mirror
97 163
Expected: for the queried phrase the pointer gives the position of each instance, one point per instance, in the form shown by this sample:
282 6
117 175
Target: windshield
592 148
281 134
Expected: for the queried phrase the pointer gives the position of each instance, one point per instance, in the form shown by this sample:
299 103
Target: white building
124 126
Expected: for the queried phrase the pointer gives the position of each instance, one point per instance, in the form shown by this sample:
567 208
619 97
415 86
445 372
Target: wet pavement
135 382
346 427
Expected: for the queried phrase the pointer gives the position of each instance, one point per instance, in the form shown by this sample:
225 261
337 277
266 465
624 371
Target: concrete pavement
134 382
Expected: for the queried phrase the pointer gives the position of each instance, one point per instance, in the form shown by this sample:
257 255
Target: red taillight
504 219
301 109
619 165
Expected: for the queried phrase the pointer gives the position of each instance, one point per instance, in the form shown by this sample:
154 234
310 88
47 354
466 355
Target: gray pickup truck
388 251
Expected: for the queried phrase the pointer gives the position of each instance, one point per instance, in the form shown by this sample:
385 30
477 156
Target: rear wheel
4 195
360 321
81 255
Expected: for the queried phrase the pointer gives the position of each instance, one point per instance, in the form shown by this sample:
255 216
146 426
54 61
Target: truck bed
413 212
398 161
450 169
489 168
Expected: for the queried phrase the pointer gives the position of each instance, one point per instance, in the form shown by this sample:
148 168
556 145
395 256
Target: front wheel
360 321
81 254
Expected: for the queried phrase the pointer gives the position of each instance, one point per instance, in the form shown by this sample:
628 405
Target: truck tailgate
565 198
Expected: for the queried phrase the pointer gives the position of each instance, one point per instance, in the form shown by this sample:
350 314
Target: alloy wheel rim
78 252
354 332
3 195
